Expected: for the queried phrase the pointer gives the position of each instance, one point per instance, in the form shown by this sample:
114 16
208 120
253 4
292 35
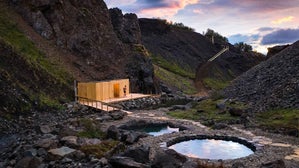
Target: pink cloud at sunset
282 20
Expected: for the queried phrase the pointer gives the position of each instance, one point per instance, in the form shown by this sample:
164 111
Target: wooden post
75 89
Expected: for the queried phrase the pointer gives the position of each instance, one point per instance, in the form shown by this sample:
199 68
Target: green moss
279 119
100 150
172 67
171 79
139 48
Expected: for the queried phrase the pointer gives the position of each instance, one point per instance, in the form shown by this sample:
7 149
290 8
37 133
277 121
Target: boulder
70 140
45 129
60 152
126 162
46 143
168 159
30 153
219 126
88 141
275 164
113 132
177 107
28 162
117 115
221 106
235 112
41 152
139 154
130 137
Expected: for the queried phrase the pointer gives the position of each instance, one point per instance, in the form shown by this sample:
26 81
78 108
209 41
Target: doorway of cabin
116 90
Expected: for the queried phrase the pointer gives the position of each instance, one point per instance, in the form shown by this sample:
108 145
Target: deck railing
97 104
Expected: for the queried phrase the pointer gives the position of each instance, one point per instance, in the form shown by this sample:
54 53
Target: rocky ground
72 139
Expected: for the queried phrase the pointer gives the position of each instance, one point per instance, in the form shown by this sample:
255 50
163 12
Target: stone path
267 141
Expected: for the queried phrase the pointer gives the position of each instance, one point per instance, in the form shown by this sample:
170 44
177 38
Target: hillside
181 51
217 74
271 84
61 42
28 79
177 45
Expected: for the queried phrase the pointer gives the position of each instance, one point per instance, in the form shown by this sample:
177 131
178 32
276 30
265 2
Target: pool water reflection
212 149
159 130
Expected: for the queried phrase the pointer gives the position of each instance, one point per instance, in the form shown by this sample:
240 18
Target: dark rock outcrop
139 67
276 49
271 84
126 26
183 47
82 27
101 47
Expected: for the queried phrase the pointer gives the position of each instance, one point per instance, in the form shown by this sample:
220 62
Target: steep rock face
183 47
139 68
84 28
271 84
126 26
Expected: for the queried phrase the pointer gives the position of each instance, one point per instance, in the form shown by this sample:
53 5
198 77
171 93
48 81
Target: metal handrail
89 102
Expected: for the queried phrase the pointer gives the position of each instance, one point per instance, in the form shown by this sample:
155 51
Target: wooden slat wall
102 90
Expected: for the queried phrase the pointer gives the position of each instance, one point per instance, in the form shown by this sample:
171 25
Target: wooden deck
128 97
105 104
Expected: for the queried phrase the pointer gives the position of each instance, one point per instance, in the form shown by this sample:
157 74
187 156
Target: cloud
281 36
283 20
163 8
262 5
265 29
197 11
249 39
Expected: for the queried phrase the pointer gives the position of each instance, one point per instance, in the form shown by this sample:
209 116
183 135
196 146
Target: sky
260 23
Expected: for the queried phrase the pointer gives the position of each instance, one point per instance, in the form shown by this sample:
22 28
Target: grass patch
215 84
172 67
206 111
100 150
91 130
184 84
280 119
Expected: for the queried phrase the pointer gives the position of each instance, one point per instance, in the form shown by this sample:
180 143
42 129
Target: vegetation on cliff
29 80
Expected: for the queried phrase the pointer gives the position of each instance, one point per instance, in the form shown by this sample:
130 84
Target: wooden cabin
103 90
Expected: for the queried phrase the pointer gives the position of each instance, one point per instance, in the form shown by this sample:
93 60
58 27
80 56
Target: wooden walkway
106 105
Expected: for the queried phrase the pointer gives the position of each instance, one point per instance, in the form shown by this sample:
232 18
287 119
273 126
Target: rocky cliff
271 84
76 36
139 67
84 29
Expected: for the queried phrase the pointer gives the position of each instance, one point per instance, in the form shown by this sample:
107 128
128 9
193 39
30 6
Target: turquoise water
159 130
212 149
